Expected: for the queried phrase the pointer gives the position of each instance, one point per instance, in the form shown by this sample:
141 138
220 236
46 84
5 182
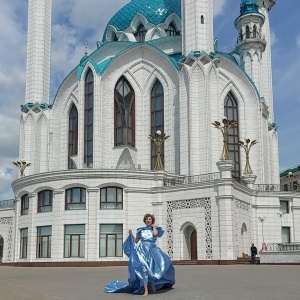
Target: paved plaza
236 282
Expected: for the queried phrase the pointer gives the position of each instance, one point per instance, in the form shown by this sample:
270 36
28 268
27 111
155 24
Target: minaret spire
38 51
197 18
264 8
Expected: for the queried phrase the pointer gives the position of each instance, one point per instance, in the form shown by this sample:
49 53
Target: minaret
197 19
38 51
266 80
251 43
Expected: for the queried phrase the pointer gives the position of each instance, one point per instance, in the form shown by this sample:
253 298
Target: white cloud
298 40
273 38
219 7
74 22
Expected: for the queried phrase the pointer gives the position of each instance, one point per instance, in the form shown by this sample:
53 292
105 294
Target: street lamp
227 124
22 165
262 219
290 177
280 215
247 146
158 139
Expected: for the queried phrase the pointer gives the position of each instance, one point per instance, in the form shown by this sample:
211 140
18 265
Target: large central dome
155 11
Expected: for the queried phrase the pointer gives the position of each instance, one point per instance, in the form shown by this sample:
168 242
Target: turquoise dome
249 7
155 11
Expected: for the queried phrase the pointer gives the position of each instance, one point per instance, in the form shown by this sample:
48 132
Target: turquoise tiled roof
248 7
31 105
155 11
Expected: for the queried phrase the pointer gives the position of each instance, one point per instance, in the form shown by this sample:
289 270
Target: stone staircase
246 260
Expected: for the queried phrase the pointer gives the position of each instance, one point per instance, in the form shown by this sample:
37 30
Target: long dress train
148 265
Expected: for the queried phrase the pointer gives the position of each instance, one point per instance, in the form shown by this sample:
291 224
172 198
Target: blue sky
78 21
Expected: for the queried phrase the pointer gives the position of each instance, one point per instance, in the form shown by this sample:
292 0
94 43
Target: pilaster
225 210
92 227
31 242
57 240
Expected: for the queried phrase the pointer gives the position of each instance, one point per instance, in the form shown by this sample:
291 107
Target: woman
149 266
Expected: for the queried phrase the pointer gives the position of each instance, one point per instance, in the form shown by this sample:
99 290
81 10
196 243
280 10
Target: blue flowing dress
148 264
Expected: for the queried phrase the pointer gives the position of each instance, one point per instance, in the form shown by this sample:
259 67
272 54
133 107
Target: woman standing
149 267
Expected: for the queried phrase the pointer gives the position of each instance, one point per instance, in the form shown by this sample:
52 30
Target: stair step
186 262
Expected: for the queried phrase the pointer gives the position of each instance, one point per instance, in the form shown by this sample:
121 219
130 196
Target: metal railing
7 203
192 179
276 188
282 247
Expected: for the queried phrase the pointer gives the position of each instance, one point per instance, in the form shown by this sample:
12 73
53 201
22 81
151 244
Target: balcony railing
192 179
276 188
283 247
7 203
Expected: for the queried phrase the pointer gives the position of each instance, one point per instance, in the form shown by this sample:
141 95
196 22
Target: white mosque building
92 173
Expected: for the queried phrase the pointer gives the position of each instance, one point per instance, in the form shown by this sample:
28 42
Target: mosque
92 171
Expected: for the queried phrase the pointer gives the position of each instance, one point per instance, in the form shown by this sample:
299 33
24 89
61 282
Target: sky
75 22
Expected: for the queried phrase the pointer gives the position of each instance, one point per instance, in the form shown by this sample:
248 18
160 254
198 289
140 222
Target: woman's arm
135 238
155 231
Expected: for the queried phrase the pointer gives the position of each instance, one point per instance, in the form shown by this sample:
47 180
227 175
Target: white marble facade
206 213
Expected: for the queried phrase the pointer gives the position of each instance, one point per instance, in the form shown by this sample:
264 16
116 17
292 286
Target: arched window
45 201
124 113
114 37
140 33
247 32
157 117
171 30
241 35
75 199
88 117
73 135
231 113
202 19
111 198
254 31
24 205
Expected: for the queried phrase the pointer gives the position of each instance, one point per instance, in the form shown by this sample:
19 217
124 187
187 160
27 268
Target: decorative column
57 239
159 219
92 227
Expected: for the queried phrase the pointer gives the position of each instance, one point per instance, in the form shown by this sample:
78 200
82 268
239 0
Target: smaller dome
249 7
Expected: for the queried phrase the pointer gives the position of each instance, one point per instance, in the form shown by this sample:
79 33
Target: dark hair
149 215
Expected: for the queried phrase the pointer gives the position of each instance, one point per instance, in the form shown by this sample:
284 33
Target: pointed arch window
202 19
254 32
140 33
124 113
231 113
171 30
88 117
157 117
73 135
114 37
247 32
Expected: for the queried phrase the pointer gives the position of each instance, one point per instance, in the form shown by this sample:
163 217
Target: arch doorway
193 245
244 240
1 248
189 242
